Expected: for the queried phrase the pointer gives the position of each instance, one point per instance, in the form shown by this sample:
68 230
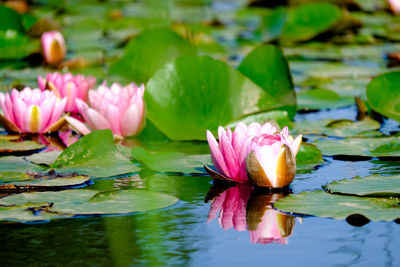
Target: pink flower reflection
232 206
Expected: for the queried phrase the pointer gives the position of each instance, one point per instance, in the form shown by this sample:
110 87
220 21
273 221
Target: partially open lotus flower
69 86
264 223
272 159
53 47
31 111
121 109
229 155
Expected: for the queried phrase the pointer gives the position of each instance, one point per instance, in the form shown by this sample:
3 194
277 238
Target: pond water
212 225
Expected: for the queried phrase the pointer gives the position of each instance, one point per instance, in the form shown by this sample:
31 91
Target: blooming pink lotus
53 47
272 159
68 86
231 205
31 111
118 108
229 155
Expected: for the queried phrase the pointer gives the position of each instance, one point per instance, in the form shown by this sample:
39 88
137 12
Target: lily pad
339 128
307 21
279 116
370 186
10 19
322 99
268 68
192 94
322 204
69 203
171 161
44 158
383 95
148 52
96 155
24 146
308 157
14 45
366 147
17 164
18 182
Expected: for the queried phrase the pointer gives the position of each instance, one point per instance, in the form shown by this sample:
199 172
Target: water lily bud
229 154
31 111
121 109
272 159
53 47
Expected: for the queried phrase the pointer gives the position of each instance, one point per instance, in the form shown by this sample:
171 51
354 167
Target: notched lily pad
322 204
370 186
12 182
69 203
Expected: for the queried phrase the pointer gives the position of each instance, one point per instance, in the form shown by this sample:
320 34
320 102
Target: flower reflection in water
242 208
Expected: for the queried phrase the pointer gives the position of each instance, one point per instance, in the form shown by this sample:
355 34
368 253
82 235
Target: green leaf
267 67
339 128
383 94
69 203
96 155
171 161
24 146
148 52
322 204
193 94
10 19
279 116
308 157
306 21
44 158
370 186
17 164
322 99
14 45
367 147
272 24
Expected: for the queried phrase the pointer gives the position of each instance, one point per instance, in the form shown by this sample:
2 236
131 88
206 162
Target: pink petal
131 121
77 125
229 156
96 121
216 155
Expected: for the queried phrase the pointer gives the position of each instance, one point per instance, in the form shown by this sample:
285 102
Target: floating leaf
69 203
17 164
148 52
339 128
171 161
308 157
383 94
19 182
279 116
322 204
267 67
370 186
306 21
94 154
44 158
193 94
14 45
322 99
272 24
13 147
10 19
366 147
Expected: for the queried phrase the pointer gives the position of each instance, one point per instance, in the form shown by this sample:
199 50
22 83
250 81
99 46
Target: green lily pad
272 24
24 146
69 203
322 204
370 186
339 128
267 67
10 19
44 158
383 94
308 157
17 182
193 94
171 161
307 21
148 52
17 164
279 116
96 155
366 147
14 45
322 99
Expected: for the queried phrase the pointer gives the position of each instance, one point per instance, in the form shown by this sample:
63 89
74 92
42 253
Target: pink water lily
272 159
121 109
31 111
69 86
53 47
229 155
